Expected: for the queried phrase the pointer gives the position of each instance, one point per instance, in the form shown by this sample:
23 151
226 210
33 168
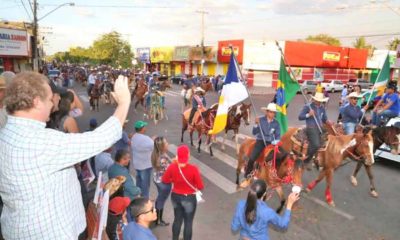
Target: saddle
196 117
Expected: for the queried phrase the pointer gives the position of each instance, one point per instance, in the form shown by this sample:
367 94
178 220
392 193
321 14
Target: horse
95 94
275 166
105 90
164 85
235 114
139 92
206 85
359 146
155 109
390 135
202 122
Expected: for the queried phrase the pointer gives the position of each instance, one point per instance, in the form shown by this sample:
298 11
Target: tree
111 49
392 45
324 38
361 43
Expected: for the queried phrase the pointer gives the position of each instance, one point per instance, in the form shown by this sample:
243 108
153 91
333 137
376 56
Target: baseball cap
183 153
56 89
93 122
140 124
119 204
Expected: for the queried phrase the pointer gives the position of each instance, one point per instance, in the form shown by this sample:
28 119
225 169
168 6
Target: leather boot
158 216
160 219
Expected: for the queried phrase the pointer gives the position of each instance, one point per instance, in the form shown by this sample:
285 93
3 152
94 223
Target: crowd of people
42 151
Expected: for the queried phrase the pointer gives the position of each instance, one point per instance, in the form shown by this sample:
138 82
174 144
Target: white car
332 85
384 151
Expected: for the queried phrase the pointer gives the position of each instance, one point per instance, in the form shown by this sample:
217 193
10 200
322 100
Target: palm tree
392 45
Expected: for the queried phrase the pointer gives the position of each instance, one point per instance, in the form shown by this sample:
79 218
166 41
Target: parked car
308 86
384 151
178 79
364 84
332 85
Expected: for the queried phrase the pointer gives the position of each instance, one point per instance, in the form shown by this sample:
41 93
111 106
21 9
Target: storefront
14 50
180 63
224 54
160 58
210 60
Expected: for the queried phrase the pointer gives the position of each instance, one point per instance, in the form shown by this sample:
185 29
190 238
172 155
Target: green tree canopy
324 38
392 45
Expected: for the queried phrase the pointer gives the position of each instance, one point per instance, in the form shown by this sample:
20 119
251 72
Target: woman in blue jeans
160 162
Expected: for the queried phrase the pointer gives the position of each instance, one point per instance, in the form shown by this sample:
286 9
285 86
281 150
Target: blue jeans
163 192
377 119
184 211
349 128
143 180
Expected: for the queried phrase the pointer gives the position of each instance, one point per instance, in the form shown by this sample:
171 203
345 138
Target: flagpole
248 93
373 88
294 77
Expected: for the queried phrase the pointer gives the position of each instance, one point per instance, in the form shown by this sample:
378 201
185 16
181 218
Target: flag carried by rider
380 84
233 92
286 89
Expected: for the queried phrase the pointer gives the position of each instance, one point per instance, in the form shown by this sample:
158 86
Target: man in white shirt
91 81
39 187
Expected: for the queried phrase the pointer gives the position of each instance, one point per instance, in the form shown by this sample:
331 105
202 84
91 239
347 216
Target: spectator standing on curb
124 143
117 220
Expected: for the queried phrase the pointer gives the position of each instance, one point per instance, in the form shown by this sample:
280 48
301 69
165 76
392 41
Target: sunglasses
151 210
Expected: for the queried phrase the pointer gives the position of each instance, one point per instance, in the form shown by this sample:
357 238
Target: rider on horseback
198 102
389 106
271 133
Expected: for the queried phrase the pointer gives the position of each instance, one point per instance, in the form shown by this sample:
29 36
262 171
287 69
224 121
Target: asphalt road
357 215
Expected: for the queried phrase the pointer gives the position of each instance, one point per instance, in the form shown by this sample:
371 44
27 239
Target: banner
210 54
13 42
181 54
143 54
161 54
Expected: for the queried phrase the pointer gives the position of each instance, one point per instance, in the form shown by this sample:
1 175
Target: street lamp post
35 29
202 12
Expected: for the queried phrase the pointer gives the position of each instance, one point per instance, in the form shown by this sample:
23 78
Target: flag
286 89
380 83
233 92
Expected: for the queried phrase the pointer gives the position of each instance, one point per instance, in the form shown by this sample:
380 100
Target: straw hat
271 107
353 95
114 184
199 89
319 97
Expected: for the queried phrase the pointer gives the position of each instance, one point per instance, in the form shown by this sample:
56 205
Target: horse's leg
328 194
223 141
281 195
209 142
191 137
239 167
237 141
199 136
314 183
353 178
184 127
97 104
373 192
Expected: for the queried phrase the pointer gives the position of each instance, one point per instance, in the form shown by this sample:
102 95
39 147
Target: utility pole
202 12
35 37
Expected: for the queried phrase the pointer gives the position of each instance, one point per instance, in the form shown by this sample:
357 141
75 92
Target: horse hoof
353 181
374 194
332 204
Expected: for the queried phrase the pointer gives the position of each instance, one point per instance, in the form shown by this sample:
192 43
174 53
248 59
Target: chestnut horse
337 149
390 135
139 92
202 122
95 95
275 166
235 115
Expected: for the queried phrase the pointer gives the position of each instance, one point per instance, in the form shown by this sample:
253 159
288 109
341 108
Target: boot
160 221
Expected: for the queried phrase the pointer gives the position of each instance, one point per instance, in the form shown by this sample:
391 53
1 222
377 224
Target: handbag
198 193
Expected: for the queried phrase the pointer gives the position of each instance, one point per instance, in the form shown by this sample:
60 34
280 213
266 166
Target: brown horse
164 85
275 166
202 123
95 95
235 114
139 92
206 85
337 149
390 135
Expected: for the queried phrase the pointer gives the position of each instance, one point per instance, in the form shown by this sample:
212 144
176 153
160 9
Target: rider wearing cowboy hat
314 114
352 113
198 101
271 133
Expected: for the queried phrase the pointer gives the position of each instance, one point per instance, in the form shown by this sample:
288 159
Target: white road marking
210 173
84 98
324 204
228 142
243 136
222 156
171 93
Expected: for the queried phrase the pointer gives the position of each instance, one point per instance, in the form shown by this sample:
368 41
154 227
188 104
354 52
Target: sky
151 23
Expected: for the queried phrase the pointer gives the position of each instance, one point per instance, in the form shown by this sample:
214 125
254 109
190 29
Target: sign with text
209 54
224 51
161 54
13 42
181 54
143 54
331 56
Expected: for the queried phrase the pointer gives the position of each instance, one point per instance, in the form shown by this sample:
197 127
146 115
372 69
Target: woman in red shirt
186 181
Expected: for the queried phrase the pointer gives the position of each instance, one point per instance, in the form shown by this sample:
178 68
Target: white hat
199 89
319 97
271 107
354 95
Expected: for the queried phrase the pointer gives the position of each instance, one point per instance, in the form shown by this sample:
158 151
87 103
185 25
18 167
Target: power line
26 10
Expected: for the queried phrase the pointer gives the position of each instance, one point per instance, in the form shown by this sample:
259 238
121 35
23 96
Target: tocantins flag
233 92
380 83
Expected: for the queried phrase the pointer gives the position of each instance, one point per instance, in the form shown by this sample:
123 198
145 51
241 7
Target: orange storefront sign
224 51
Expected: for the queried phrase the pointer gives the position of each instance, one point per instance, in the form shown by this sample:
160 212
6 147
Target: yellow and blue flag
285 91
233 92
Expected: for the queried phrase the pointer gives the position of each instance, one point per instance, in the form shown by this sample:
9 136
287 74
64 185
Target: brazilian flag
286 90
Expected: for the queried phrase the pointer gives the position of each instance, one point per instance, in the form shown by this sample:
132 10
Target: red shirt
192 175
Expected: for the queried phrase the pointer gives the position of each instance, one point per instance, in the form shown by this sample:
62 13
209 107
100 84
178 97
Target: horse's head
365 146
245 112
298 169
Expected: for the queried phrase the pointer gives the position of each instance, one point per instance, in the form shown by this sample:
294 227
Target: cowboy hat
199 89
271 107
319 97
114 184
354 95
